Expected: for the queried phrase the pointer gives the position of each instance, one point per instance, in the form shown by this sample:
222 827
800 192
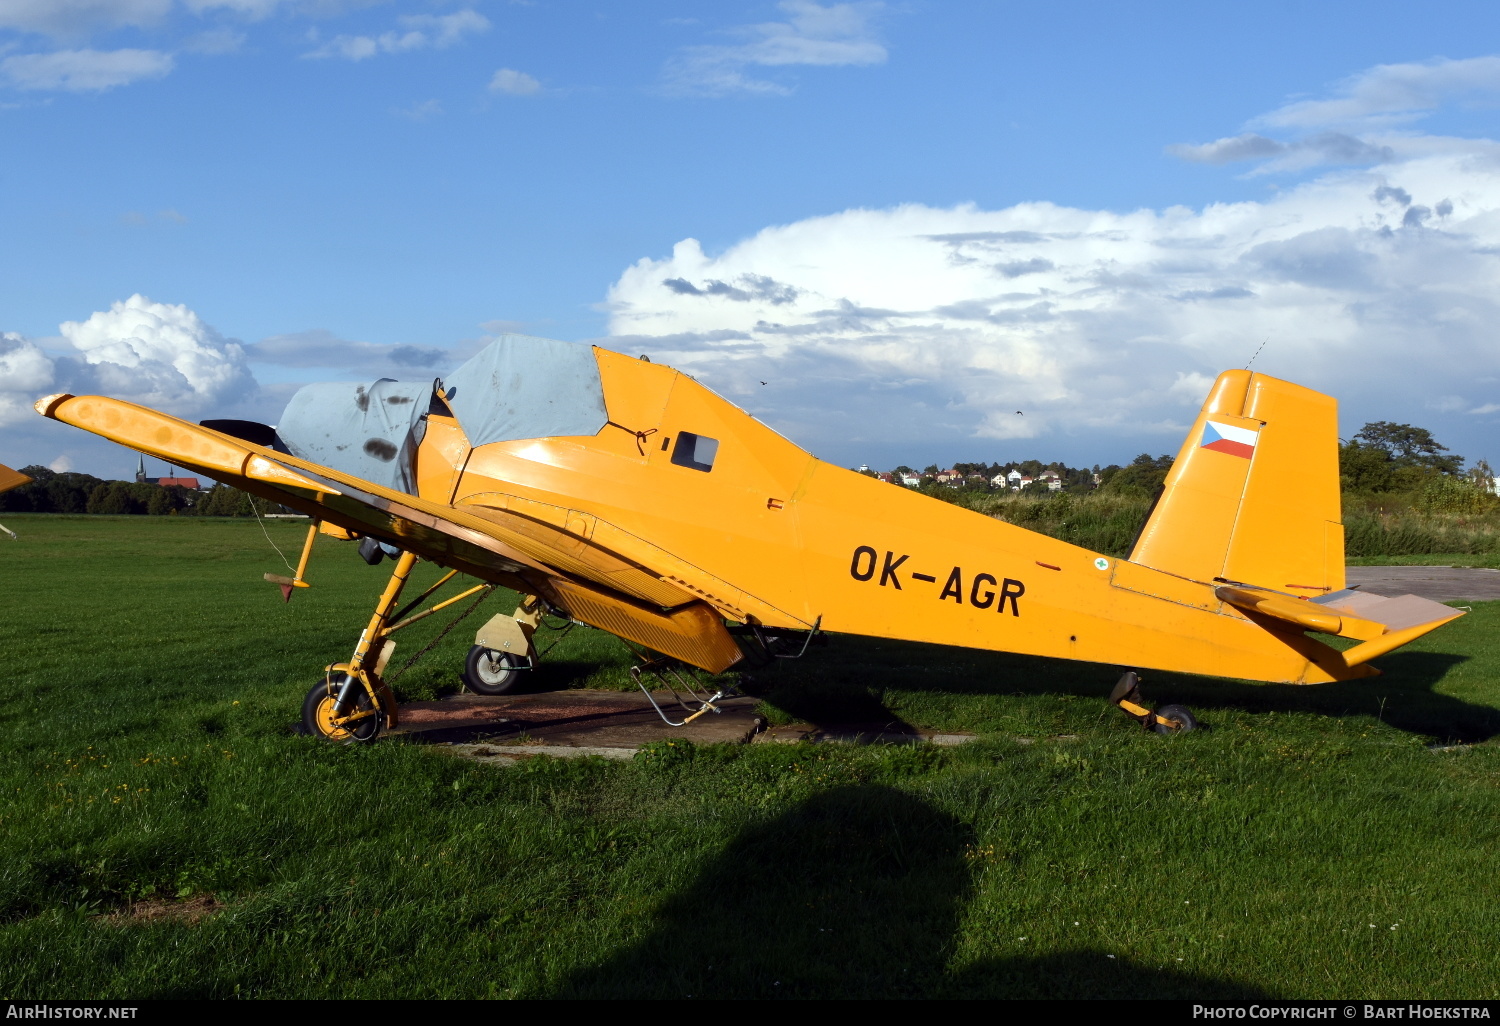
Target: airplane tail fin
1254 494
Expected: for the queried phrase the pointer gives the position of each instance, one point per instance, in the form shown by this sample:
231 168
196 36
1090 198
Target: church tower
140 472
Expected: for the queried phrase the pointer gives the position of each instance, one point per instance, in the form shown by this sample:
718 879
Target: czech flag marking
1236 441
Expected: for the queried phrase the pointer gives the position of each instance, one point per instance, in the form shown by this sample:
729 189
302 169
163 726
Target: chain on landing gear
1169 719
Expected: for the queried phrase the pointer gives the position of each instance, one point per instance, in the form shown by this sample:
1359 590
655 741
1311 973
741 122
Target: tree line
69 492
1381 459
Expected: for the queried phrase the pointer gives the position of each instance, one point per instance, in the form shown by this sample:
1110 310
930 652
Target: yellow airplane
625 495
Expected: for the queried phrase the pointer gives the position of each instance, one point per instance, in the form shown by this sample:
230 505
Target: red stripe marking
1232 448
1049 566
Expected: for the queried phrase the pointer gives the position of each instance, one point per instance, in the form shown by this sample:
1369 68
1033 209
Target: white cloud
426 110
941 323
833 36
76 19
418 32
1389 94
215 41
320 348
83 71
514 83
252 9
1321 148
1366 122
61 465
25 372
158 354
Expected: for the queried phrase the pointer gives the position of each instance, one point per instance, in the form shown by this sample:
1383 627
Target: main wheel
1179 713
488 672
318 715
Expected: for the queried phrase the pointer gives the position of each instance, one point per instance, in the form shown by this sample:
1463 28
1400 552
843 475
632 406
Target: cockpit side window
695 451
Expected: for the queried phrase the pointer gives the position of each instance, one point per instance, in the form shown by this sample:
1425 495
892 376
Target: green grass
150 678
1491 560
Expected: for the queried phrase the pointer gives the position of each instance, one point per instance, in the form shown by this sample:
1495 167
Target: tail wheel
1185 720
488 672
318 713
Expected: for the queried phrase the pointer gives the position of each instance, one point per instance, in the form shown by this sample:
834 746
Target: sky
898 233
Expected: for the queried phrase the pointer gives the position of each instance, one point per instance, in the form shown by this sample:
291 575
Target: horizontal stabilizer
1382 624
1395 613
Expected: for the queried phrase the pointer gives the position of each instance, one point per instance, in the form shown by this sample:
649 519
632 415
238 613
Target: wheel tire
488 672
1179 713
317 713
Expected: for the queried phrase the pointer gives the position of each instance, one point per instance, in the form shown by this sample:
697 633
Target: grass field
162 833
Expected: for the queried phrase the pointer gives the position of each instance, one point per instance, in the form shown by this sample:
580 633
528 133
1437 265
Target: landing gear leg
1169 719
353 703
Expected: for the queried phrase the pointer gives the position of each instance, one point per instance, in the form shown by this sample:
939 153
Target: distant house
1053 479
1000 481
887 477
947 476
165 482
911 480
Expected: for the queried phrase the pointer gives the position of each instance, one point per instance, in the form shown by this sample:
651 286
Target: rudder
1254 494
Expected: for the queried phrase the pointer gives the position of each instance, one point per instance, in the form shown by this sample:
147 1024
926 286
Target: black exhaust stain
361 398
397 400
380 449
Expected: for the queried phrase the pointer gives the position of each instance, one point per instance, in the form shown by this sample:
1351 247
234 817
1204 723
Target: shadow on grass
856 893
852 677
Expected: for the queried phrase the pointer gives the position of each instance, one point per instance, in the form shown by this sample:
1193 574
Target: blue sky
961 209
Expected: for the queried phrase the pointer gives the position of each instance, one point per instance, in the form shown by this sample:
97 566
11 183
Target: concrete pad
1439 583
573 719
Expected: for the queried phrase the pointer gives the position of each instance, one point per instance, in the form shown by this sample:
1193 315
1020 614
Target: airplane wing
488 542
11 478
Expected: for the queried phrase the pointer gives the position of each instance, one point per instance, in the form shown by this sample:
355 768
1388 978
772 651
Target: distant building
165 482
911 480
